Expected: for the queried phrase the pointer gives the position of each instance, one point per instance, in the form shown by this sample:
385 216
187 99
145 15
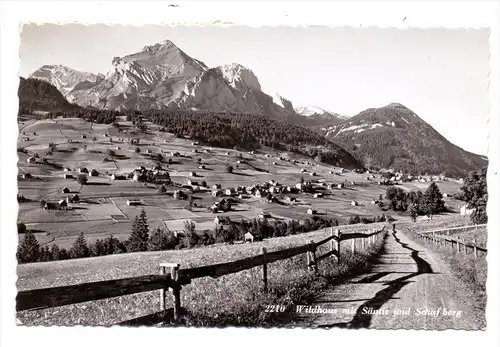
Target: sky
440 74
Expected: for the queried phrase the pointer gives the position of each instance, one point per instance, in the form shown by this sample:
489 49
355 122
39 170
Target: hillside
247 131
38 95
394 137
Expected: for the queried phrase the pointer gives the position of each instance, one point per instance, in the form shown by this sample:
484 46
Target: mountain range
163 77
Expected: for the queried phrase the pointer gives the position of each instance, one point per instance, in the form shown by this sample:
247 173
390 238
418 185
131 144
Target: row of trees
356 219
416 203
89 114
474 192
246 132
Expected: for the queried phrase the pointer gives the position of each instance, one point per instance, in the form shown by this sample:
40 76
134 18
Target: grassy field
103 198
205 299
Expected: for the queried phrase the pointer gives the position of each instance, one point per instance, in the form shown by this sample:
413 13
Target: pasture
103 208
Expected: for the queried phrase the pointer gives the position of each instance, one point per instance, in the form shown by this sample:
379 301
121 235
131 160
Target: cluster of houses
63 204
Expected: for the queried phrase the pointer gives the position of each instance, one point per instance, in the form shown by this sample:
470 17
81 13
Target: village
97 178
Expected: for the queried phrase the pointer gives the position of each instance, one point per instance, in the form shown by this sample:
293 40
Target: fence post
353 245
264 271
458 244
339 236
475 248
162 292
363 243
313 254
175 288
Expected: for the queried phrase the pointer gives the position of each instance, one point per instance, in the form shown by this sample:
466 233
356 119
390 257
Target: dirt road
409 288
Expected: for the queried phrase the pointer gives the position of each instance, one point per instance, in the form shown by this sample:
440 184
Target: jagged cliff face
161 76
66 79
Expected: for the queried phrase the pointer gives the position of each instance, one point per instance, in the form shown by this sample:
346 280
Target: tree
162 240
138 240
191 236
162 190
21 228
474 192
97 249
432 201
82 180
94 139
229 169
413 211
137 150
302 180
55 252
80 248
28 250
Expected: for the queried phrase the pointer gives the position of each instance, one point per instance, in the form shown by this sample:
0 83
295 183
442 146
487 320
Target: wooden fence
172 278
449 231
455 244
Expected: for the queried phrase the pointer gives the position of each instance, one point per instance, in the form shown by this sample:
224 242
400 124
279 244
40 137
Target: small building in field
354 203
31 160
94 173
63 204
340 185
264 215
65 190
318 195
67 169
248 237
464 211
374 202
202 167
258 194
27 175
303 170
299 186
75 198
222 220
230 191
83 170
133 202
311 211
192 174
291 199
117 177
216 186
312 174
216 192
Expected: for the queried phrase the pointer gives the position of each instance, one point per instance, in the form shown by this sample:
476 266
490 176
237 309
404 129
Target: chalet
94 173
195 150
207 150
311 211
83 170
133 202
194 143
136 177
258 194
354 203
192 183
65 190
67 169
221 220
264 215
445 195
248 237
106 135
179 194
196 188
252 152
374 202
216 193
27 175
148 151
303 170
227 153
342 170
192 174
31 160
202 167
267 155
368 178
312 174
352 183
216 186
291 199
330 172
340 185
117 177
62 203
230 191
84 136
299 186
464 211
175 154
318 195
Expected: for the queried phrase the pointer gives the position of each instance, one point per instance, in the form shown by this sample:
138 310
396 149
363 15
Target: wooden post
176 288
339 235
353 246
363 243
308 260
475 248
264 271
313 253
458 244
162 293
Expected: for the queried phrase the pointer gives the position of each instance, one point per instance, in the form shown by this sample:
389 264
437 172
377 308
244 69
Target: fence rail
171 278
455 244
447 230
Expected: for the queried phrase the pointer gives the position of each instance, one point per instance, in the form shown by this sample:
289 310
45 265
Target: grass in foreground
235 299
